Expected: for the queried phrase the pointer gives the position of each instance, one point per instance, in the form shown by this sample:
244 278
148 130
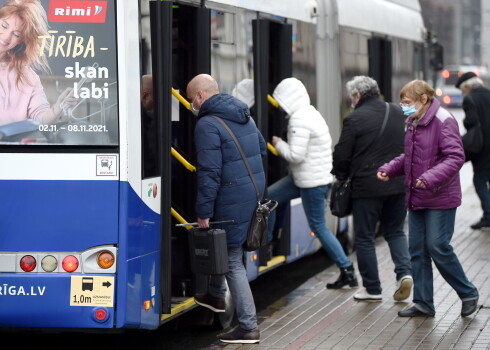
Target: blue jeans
313 200
391 212
481 179
239 288
431 231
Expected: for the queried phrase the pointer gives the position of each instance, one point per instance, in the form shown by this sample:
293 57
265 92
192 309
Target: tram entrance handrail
187 105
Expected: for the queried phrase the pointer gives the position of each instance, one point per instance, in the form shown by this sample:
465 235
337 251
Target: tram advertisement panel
58 72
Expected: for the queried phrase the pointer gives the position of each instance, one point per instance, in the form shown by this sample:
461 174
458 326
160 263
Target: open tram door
272 63
180 49
380 65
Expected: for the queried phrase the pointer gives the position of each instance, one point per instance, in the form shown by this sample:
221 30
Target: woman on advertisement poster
22 95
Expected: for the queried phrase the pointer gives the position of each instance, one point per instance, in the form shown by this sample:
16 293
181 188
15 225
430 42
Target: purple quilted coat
434 154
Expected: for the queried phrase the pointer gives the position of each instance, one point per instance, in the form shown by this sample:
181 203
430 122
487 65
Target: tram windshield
58 81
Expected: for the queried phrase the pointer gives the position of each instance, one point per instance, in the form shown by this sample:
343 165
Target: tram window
231 48
148 128
80 53
304 56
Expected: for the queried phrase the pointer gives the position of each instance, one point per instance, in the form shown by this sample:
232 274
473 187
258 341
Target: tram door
272 63
380 65
180 49
191 55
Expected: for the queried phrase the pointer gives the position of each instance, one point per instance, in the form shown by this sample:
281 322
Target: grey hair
363 85
471 82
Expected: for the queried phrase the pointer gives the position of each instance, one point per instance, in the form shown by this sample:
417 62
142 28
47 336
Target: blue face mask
409 111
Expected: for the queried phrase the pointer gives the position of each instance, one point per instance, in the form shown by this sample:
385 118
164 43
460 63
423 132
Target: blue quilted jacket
225 190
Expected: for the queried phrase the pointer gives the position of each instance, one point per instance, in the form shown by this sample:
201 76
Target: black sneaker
468 307
482 224
212 303
241 336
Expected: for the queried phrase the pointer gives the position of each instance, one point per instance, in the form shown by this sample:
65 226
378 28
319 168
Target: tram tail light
70 263
105 259
49 263
28 263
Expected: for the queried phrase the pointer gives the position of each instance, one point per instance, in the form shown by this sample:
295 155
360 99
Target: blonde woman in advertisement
22 96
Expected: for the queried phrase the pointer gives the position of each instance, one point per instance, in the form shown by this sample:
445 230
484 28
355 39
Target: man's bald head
200 88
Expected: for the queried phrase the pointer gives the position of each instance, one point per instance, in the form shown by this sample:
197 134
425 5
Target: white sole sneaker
404 288
365 296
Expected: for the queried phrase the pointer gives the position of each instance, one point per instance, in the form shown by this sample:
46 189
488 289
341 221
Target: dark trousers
481 179
390 211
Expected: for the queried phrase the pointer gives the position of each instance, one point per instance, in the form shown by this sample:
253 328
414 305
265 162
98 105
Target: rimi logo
77 11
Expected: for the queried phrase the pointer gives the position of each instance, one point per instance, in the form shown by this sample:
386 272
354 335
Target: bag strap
381 130
241 153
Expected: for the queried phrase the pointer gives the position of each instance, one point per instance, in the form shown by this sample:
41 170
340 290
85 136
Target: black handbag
473 139
257 230
341 198
341 193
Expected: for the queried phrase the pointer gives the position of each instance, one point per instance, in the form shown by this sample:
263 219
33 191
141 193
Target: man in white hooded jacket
309 154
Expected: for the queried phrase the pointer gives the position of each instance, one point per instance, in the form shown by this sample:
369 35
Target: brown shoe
241 336
212 303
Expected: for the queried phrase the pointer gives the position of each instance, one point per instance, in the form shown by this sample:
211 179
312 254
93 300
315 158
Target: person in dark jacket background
361 147
226 192
476 105
433 156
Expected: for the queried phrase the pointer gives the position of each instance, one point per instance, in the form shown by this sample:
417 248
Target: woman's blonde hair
416 89
34 24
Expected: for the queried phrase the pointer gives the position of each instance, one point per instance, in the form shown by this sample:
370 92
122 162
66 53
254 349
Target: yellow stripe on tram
179 308
277 260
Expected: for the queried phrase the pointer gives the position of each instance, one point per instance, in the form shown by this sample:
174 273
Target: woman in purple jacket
431 163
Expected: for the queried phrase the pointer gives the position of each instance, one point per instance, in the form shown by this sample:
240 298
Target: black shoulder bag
473 139
341 195
257 230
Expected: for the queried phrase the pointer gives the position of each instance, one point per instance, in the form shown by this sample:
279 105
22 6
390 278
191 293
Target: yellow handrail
272 101
181 99
180 218
272 149
181 159
188 106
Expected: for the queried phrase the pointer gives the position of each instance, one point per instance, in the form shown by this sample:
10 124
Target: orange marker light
146 305
445 74
446 99
105 259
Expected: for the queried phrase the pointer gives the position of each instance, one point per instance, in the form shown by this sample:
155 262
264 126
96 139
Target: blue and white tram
90 203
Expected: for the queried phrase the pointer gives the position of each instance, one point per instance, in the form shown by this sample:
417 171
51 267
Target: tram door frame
381 65
173 67
273 62
191 56
161 22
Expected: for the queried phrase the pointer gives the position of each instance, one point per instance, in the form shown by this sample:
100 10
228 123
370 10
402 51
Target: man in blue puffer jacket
226 192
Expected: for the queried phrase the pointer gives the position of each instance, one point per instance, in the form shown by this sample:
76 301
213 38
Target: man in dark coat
226 192
476 105
362 150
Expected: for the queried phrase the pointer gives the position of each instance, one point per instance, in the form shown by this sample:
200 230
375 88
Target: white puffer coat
309 147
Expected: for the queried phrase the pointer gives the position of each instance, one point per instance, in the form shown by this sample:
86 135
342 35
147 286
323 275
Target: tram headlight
105 259
49 263
70 263
28 263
